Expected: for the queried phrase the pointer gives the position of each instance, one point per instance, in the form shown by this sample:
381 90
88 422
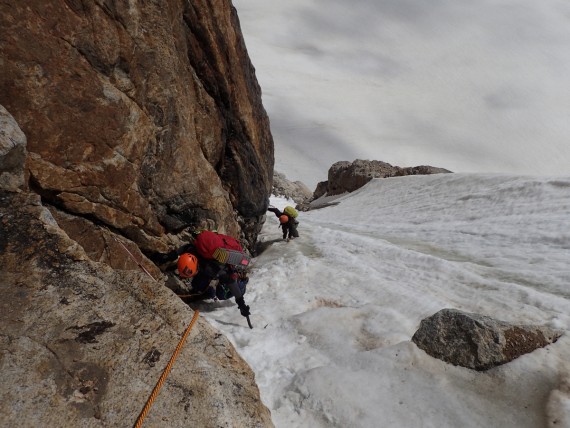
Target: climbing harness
156 389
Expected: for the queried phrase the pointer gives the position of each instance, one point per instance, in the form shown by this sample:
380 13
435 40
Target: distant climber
213 256
288 221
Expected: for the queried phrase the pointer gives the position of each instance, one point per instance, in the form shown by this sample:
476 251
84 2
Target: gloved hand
244 311
243 308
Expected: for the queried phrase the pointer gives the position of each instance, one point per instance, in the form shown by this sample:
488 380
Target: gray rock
295 190
12 153
476 341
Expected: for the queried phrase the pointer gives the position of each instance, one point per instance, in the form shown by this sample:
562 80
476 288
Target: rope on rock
134 258
156 389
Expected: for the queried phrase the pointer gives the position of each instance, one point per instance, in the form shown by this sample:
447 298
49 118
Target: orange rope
165 372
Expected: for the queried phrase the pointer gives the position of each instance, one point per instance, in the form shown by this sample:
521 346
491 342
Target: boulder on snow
478 342
347 176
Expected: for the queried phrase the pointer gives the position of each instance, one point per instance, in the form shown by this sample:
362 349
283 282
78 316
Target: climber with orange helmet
287 221
187 265
203 266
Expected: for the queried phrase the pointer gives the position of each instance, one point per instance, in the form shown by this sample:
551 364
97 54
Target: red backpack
223 248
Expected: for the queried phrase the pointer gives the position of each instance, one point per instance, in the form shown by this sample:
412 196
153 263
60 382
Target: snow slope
334 310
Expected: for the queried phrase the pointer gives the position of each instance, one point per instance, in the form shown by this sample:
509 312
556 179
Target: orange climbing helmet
187 265
283 219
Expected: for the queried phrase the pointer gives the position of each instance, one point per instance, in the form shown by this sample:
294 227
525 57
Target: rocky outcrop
295 190
145 117
347 176
12 153
83 344
478 342
142 121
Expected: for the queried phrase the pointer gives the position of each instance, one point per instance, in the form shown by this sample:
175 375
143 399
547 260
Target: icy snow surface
334 310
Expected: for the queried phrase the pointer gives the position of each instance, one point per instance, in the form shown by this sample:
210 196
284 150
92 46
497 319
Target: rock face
476 341
142 116
83 344
294 190
347 176
142 120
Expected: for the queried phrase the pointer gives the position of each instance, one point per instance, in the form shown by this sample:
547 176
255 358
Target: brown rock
146 117
104 246
347 176
142 119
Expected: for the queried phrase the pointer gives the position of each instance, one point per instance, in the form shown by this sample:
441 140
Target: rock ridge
345 176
